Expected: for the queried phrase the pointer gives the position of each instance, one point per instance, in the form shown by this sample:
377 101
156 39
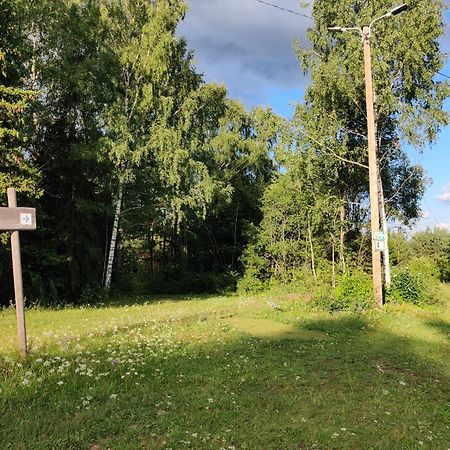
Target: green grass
227 373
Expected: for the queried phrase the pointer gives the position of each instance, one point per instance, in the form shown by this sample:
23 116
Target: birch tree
140 37
409 97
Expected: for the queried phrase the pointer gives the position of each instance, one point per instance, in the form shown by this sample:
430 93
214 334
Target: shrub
250 283
256 270
443 264
425 267
407 287
92 294
354 292
324 298
176 282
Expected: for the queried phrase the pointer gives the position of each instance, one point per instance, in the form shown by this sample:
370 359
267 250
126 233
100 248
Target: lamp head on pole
398 9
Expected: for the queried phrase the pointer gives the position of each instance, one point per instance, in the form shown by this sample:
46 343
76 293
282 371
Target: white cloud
425 215
443 226
445 196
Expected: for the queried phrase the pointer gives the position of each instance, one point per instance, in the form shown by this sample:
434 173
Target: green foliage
399 248
182 282
16 168
355 291
425 267
434 247
407 287
443 264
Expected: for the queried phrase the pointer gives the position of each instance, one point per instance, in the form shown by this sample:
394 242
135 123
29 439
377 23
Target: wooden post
18 285
373 172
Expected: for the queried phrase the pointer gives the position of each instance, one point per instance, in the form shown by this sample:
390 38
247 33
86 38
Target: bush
176 282
424 267
407 287
256 271
443 264
91 295
324 298
354 292
250 283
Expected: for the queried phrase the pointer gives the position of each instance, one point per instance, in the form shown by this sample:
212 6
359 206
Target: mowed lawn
226 373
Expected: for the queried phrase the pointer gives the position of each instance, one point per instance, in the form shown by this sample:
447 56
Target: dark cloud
246 45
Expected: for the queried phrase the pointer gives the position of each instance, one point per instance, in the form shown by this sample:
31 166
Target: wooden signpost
14 219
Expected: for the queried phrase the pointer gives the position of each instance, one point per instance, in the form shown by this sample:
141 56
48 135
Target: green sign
379 236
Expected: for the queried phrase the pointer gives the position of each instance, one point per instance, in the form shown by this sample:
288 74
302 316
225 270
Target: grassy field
226 373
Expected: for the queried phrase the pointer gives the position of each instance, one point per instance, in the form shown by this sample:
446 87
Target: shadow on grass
440 325
358 389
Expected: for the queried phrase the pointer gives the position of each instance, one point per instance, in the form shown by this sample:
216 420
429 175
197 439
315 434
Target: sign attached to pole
14 219
380 246
379 236
17 219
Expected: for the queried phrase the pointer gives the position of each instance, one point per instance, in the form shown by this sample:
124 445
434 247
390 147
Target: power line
431 212
284 9
443 74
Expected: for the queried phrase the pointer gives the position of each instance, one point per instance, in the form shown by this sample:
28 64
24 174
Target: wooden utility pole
18 285
373 170
377 236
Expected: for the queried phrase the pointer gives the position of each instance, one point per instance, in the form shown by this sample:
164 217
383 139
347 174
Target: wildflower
60 383
113 396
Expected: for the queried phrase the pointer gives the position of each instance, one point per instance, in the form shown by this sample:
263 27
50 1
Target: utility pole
366 33
373 170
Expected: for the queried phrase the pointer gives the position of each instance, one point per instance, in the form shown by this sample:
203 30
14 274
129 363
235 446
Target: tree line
148 179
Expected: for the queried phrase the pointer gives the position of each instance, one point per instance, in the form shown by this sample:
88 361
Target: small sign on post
380 244
379 236
14 219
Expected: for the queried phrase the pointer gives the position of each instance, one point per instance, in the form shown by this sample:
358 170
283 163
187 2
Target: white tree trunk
313 261
384 228
342 240
113 242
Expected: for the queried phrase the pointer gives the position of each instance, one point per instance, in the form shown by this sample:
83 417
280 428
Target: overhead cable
443 74
284 9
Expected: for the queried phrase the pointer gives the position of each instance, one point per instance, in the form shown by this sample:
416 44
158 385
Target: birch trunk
113 242
384 228
342 240
313 262
333 256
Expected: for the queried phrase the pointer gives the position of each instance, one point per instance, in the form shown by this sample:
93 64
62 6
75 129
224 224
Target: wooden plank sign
17 219
14 219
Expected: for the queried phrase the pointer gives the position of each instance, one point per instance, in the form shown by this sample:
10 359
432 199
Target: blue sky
248 46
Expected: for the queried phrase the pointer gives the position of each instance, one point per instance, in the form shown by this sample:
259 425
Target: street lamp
366 33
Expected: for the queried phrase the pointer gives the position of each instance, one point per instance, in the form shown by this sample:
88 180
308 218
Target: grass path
226 373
